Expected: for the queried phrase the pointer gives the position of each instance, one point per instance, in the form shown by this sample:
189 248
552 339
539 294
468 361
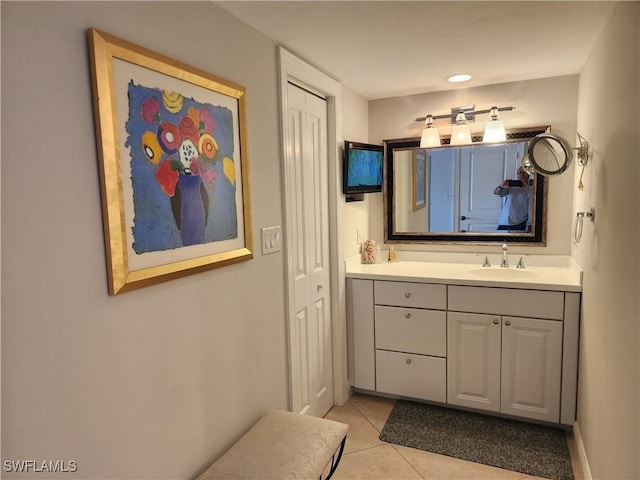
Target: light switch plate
271 239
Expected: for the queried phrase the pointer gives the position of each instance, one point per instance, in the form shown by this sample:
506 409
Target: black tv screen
363 164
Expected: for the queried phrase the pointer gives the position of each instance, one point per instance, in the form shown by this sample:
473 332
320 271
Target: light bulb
494 132
430 135
430 138
460 134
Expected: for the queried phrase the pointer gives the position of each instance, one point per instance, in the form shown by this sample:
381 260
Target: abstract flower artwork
182 171
172 152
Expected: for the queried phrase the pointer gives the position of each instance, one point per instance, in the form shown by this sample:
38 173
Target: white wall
609 386
355 126
549 101
157 382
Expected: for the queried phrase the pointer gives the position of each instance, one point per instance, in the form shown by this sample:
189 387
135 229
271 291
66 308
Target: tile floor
366 457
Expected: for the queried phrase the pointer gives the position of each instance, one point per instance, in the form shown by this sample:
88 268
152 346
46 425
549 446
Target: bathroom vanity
501 340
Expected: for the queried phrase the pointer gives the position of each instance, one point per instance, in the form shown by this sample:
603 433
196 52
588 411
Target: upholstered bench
283 446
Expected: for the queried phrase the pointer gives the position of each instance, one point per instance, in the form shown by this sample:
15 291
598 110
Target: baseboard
584 463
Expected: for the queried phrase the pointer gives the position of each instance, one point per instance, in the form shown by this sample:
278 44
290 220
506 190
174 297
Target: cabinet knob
407 315
507 322
407 295
496 321
408 360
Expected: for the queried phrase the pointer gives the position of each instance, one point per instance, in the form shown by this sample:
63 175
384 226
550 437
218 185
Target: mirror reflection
477 192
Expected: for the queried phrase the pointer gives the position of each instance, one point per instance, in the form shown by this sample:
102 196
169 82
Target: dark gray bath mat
518 446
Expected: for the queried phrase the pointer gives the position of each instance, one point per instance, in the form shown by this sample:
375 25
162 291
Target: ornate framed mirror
462 194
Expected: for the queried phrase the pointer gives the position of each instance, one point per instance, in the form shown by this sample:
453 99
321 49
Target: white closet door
309 272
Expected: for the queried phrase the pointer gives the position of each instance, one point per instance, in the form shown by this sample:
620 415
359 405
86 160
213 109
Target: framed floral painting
173 165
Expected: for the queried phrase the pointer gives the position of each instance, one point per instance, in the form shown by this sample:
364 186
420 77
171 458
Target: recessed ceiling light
460 77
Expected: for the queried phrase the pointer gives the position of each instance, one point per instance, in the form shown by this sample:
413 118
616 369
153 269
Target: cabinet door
473 356
531 368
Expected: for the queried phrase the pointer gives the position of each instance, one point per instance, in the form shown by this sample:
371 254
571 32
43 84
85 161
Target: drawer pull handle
496 321
408 360
407 295
407 315
507 322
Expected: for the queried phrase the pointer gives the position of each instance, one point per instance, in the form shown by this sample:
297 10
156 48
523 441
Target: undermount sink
502 273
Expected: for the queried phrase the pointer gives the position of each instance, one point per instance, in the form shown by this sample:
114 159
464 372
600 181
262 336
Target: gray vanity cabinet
511 351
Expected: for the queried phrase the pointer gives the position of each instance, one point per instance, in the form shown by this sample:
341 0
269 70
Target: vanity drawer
407 294
414 376
507 301
411 330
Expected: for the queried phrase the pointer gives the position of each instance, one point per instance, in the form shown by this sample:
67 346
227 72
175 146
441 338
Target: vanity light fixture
430 134
461 135
494 130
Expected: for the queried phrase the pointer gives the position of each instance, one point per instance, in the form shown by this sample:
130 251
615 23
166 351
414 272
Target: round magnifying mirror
549 154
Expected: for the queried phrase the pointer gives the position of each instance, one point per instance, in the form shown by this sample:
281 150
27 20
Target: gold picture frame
174 173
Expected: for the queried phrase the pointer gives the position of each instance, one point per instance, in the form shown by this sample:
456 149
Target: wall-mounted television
363 164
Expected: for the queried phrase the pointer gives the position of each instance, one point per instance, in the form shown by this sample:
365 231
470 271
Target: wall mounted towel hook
577 228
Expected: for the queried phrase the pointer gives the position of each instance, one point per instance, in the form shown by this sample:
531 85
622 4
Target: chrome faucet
505 260
486 263
521 262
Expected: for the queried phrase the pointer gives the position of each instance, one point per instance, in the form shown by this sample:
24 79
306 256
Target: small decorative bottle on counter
369 252
393 256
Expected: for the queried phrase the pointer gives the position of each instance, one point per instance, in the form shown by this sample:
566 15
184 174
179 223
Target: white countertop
542 272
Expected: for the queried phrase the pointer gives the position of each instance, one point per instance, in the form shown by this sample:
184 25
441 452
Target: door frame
295 70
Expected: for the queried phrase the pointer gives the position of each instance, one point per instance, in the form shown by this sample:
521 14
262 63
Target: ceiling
382 49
